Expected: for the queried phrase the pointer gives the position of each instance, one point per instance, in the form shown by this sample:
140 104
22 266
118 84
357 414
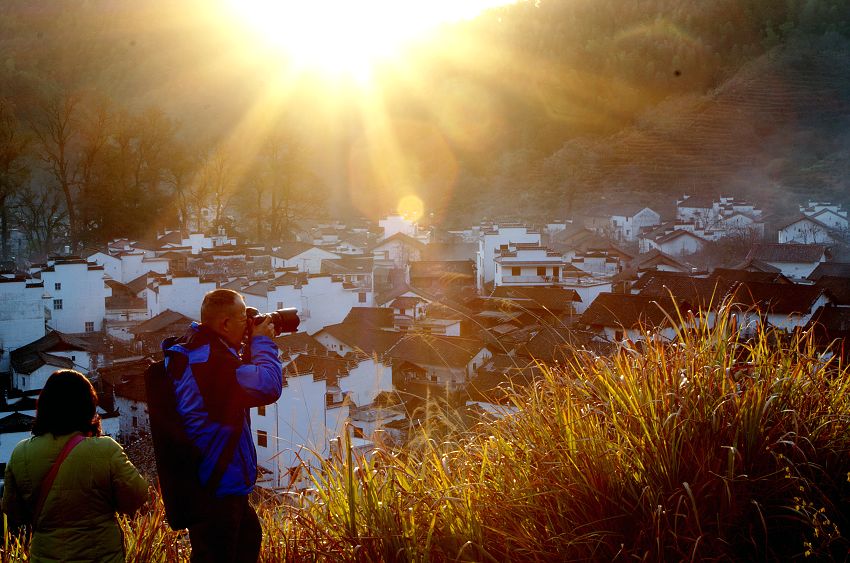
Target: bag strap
47 484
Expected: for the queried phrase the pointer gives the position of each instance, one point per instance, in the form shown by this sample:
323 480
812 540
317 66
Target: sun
349 38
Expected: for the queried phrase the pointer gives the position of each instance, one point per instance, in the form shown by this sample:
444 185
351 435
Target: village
393 313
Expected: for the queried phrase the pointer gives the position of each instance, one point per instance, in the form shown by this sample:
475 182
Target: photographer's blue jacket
215 391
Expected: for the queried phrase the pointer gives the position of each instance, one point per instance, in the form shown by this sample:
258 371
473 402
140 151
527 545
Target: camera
284 320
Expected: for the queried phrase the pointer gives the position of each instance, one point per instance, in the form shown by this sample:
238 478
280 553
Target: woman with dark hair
68 481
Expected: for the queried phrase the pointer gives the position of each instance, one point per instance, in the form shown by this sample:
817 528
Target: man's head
223 312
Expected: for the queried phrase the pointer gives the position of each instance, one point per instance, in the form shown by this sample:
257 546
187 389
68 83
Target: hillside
774 132
535 108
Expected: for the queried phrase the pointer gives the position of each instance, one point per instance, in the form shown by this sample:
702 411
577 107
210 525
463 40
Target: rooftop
774 252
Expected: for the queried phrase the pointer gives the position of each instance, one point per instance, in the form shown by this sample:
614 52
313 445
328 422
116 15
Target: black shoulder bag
178 459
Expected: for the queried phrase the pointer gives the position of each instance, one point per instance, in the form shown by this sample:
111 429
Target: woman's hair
68 403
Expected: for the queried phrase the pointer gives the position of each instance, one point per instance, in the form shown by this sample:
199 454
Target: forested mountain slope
538 108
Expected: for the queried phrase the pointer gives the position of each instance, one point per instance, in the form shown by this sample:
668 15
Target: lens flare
411 207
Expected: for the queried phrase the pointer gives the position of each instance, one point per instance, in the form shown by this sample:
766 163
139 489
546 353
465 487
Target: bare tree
13 167
42 218
178 173
293 187
55 134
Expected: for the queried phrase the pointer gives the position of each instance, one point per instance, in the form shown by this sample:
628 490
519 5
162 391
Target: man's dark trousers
231 533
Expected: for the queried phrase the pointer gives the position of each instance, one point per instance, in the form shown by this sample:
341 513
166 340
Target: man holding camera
214 390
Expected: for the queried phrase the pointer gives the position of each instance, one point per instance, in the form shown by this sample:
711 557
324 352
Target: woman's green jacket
77 521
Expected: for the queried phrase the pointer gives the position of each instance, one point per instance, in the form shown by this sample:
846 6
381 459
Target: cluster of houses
391 313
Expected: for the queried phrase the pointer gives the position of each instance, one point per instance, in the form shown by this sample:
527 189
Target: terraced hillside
778 124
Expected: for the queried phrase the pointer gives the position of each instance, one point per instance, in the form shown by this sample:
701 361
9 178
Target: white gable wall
295 426
588 292
489 242
310 260
681 245
366 380
804 232
21 317
83 362
797 270
83 296
134 265
183 295
133 416
393 224
111 264
320 302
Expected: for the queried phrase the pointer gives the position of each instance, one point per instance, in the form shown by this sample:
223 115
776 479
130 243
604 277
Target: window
516 271
262 438
261 410
89 326
135 422
361 297
57 304
57 286
280 304
541 270
555 273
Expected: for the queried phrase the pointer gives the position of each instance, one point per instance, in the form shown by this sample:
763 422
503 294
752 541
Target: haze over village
394 312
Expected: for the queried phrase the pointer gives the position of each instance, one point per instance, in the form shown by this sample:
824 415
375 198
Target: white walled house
740 224
365 380
784 306
197 242
807 230
125 379
14 427
135 264
678 243
627 225
695 209
498 238
33 363
588 289
347 338
724 216
321 300
127 266
527 264
448 362
123 313
793 260
596 262
22 303
78 293
299 426
306 257
397 251
617 316
318 396
393 224
357 276
827 213
287 432
111 264
180 293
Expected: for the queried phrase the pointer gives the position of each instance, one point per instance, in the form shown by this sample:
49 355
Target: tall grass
705 448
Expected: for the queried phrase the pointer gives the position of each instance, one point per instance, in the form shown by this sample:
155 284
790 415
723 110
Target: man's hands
265 328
